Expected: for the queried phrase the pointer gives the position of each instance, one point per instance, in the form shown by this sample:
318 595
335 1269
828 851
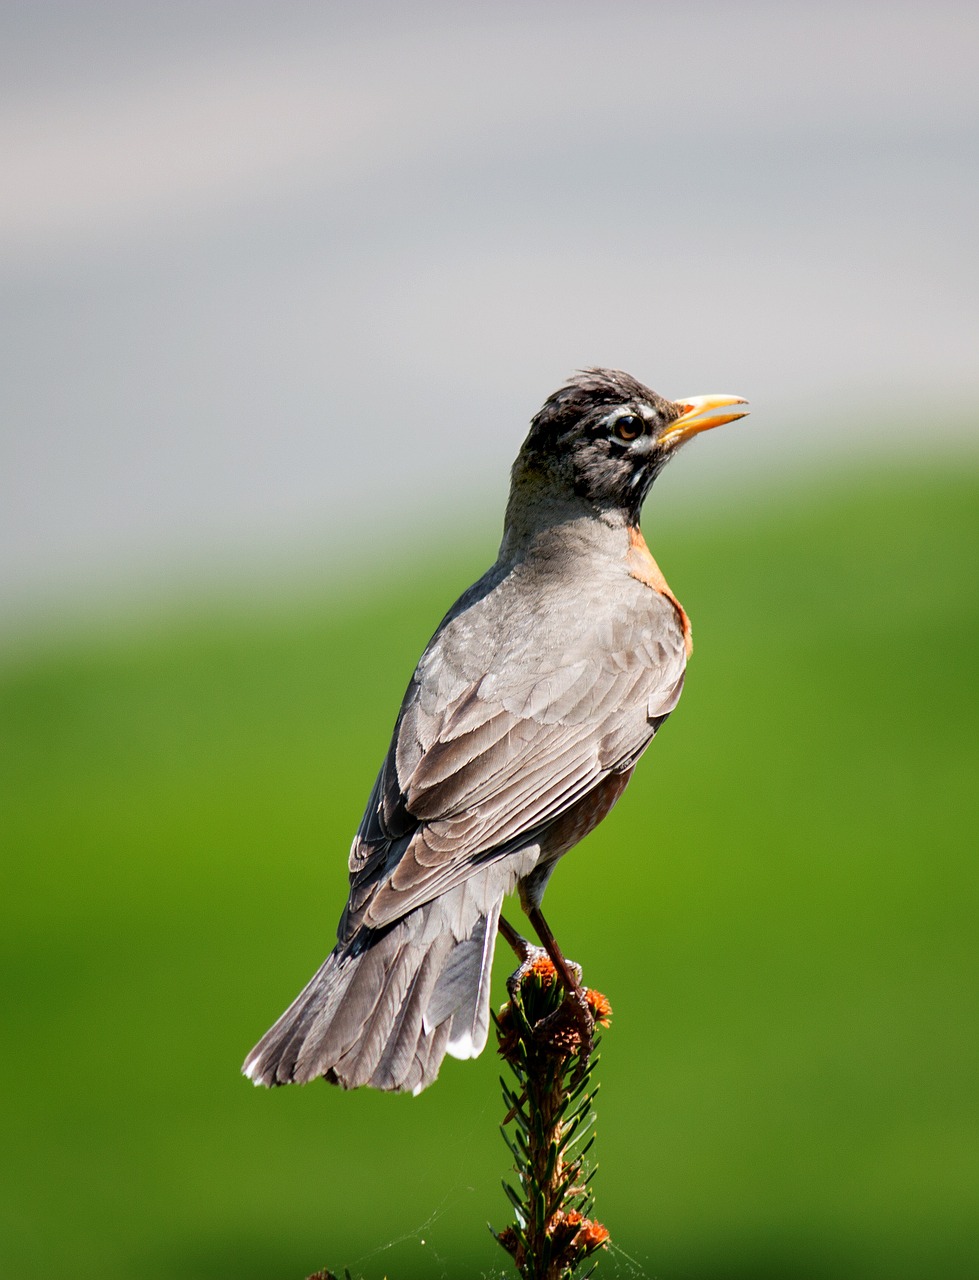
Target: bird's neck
547 523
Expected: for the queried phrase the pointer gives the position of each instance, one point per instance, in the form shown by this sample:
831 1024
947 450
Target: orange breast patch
644 569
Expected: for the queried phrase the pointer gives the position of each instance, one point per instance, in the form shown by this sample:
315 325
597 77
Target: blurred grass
782 910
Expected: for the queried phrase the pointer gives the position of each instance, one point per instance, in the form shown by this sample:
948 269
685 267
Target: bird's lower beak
700 413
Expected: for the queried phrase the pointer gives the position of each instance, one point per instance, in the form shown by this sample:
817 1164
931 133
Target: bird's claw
528 955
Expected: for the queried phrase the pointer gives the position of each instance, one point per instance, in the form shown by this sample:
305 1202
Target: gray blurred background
276 277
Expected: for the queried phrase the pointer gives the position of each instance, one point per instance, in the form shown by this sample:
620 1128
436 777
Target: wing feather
482 761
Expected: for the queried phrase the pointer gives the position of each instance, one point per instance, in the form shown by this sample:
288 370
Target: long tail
385 1009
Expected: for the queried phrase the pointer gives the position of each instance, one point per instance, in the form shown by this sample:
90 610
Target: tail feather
349 1036
404 1046
273 1059
458 994
387 1014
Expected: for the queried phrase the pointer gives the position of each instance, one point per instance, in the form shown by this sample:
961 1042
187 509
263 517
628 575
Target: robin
522 724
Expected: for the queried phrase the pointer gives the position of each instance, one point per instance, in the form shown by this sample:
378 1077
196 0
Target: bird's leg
525 952
575 999
522 949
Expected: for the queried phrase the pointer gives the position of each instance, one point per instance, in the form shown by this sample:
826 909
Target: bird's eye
628 427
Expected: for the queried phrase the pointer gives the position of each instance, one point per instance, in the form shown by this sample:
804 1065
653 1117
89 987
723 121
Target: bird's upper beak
700 413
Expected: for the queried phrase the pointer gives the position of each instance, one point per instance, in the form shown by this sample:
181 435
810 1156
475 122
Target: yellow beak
700 413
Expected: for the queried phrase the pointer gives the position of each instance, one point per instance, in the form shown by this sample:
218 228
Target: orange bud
599 1005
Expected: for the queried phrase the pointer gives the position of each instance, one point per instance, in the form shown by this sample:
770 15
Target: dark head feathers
607 386
574 452
588 391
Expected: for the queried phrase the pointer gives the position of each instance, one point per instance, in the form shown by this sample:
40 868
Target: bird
520 729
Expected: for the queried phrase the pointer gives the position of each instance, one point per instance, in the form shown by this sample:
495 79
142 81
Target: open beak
700 413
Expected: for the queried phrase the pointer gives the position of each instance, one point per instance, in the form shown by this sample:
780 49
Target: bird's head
604 437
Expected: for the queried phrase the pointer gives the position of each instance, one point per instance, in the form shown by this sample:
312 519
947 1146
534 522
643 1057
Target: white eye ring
628 427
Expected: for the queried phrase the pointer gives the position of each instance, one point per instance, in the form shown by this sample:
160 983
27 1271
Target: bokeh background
282 286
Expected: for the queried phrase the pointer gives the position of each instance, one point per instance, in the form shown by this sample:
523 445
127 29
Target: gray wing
494 743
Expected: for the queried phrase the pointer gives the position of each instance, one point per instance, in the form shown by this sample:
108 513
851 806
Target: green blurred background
782 911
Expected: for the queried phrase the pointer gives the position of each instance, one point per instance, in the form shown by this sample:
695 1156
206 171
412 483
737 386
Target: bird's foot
529 956
532 958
